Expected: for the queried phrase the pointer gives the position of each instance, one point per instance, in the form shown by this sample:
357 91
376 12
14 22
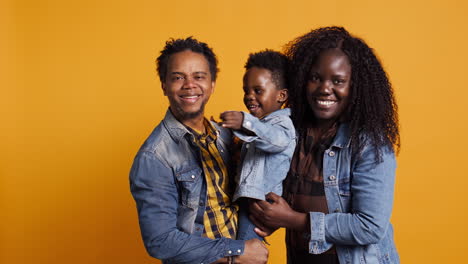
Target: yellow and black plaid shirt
220 219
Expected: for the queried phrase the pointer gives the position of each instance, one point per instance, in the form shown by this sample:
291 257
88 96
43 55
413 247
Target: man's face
188 85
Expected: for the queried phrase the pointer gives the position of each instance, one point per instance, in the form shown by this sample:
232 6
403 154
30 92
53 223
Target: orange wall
79 95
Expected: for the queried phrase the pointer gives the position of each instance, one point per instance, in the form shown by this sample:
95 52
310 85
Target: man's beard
189 115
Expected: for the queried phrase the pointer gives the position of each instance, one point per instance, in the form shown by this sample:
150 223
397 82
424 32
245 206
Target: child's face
328 87
261 96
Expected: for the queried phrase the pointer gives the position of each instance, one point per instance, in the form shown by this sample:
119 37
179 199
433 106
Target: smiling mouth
325 102
253 107
190 98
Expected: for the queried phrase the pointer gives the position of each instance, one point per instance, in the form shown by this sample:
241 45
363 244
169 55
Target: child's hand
232 119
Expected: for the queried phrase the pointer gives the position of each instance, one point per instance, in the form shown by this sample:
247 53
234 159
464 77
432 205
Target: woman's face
328 86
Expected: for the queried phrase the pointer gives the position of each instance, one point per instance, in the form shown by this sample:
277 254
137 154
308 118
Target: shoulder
279 116
158 136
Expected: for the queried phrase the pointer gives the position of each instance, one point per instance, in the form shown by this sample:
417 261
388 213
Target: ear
213 84
163 86
282 96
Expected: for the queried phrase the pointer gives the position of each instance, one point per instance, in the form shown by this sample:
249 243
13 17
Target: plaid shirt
220 218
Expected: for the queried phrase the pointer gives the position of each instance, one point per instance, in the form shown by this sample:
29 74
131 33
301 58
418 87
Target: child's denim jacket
265 156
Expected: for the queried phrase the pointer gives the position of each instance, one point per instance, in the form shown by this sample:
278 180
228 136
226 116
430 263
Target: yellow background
79 94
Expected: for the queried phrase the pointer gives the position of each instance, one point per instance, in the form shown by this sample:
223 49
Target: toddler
267 132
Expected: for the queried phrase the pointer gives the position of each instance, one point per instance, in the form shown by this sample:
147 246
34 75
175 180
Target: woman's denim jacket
359 193
266 155
168 185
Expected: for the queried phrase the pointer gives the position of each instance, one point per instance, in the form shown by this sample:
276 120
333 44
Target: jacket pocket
189 182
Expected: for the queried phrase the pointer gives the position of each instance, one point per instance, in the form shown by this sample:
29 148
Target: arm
155 192
371 200
270 137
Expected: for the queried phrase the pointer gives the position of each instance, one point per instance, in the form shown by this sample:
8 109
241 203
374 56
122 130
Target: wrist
300 221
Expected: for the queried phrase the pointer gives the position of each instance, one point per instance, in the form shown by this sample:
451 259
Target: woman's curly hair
372 110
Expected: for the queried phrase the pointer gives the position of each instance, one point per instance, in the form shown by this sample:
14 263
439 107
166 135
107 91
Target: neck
195 123
320 127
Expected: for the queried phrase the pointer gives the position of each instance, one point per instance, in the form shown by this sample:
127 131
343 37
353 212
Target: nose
189 83
249 96
326 87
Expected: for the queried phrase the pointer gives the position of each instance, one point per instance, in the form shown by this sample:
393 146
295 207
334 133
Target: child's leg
245 229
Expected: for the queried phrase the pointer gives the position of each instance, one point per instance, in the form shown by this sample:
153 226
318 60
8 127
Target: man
179 178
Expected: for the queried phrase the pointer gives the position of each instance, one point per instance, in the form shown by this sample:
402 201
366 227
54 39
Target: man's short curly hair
372 109
275 62
178 45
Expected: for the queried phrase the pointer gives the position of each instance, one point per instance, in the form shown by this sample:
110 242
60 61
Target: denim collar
176 129
284 111
343 136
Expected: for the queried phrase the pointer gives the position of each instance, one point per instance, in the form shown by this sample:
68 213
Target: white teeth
321 102
190 97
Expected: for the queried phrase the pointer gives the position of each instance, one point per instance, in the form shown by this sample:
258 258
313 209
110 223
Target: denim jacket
359 194
266 156
169 188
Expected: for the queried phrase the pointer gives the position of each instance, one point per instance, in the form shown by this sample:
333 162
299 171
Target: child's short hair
275 62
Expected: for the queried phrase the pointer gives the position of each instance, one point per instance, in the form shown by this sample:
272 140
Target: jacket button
193 176
332 177
247 146
229 252
248 124
331 153
201 204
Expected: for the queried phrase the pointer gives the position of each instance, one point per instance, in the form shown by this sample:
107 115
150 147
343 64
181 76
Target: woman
339 190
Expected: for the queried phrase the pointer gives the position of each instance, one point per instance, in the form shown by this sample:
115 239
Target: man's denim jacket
359 193
266 155
168 185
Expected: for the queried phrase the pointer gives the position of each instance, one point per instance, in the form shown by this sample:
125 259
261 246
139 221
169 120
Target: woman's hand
276 213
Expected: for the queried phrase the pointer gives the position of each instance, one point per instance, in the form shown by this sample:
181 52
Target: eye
177 77
199 77
338 81
258 91
314 77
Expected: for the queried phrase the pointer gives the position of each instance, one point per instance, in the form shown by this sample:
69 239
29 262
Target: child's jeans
245 229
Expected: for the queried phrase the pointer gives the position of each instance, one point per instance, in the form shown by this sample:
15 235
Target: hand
255 252
261 229
232 119
275 214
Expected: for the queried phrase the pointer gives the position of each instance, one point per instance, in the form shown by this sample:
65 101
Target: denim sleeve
371 206
154 189
273 137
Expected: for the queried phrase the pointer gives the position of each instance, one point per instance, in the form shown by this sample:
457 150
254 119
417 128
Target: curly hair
178 45
275 62
372 108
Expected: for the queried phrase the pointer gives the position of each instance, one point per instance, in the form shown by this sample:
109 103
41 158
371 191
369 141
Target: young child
267 132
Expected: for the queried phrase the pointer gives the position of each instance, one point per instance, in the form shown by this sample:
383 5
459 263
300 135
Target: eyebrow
198 72
181 73
201 72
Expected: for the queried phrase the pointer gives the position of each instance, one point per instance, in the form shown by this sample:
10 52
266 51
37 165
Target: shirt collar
177 130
